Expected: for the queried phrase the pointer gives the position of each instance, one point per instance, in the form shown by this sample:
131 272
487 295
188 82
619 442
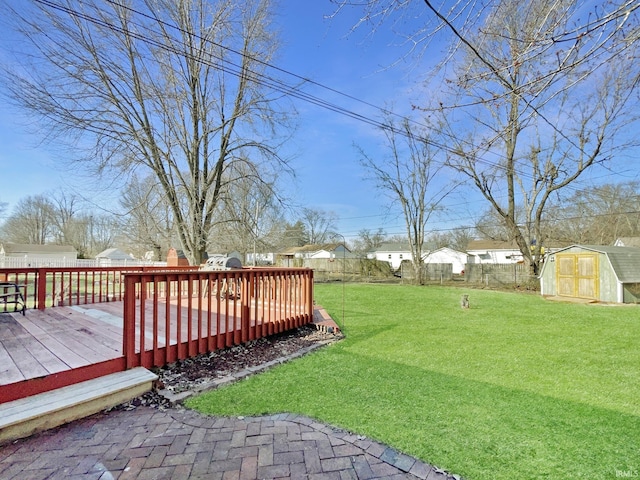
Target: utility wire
273 83
276 84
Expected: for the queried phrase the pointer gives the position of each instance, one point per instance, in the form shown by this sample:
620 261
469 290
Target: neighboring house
36 255
112 257
493 251
394 253
331 251
295 256
448 255
597 273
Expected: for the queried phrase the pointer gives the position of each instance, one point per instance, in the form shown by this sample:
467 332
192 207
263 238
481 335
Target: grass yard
516 387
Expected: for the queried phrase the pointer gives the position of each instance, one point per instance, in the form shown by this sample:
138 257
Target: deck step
26 416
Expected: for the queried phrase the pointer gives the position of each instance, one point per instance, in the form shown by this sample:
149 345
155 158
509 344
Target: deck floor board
40 353
82 340
55 340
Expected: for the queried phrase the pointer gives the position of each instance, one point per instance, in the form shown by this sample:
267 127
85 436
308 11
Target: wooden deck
64 341
55 340
148 317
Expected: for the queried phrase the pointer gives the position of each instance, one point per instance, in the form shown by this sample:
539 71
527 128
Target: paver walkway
147 443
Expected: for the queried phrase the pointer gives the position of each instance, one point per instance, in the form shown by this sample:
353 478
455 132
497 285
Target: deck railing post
246 290
41 288
309 288
129 322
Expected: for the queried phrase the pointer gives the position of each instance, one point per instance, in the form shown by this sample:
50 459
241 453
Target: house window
400 256
389 256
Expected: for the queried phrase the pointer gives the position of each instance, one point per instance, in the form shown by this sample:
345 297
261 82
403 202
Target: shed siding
608 282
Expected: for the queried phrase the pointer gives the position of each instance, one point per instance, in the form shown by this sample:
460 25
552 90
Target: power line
273 83
269 81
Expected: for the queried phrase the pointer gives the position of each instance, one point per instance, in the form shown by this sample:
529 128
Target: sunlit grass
516 387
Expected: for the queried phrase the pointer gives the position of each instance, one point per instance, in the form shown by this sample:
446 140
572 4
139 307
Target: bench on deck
10 293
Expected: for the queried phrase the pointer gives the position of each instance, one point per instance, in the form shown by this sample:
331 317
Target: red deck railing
177 312
50 287
171 316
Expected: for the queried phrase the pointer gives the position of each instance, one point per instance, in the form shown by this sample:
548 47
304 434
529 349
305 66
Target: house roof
447 250
15 248
625 261
491 245
114 254
474 245
394 247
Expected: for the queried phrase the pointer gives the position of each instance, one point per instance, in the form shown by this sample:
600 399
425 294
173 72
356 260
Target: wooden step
26 416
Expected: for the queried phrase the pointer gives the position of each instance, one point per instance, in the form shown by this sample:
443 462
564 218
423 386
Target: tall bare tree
413 178
368 241
597 216
31 221
319 225
148 221
248 217
174 88
532 95
536 113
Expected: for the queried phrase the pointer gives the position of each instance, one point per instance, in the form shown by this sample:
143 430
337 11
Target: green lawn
516 387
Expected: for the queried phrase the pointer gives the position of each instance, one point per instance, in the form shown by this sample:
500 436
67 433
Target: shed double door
577 275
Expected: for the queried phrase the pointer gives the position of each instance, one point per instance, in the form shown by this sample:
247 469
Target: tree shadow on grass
476 429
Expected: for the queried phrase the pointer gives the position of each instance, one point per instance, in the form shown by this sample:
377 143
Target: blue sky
329 175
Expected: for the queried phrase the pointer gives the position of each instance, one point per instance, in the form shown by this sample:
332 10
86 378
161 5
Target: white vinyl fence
57 262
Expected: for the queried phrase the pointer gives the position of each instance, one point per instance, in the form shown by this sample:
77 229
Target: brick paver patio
147 443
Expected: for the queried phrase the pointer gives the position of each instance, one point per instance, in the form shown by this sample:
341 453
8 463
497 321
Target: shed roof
624 260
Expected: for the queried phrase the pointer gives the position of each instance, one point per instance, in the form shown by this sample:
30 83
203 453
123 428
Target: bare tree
368 241
148 222
540 93
597 216
412 178
31 221
102 231
460 238
72 223
174 88
456 239
248 217
319 225
536 113
490 226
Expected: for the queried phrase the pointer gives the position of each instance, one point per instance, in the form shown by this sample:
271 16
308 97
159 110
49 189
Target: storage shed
599 273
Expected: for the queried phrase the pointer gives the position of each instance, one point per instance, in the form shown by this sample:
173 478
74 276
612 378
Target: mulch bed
191 374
